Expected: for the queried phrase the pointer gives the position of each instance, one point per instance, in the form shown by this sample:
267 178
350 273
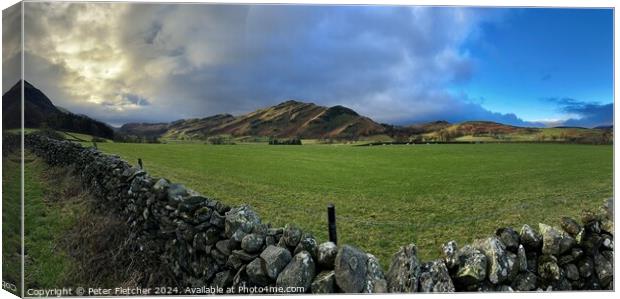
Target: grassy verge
68 242
49 214
11 222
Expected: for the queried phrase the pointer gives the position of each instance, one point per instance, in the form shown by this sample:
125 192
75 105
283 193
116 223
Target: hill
485 128
309 121
486 131
285 120
144 129
608 128
39 111
289 119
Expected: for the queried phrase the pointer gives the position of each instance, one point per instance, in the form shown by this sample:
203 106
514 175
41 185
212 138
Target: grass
71 136
48 217
475 138
79 137
58 218
11 222
387 196
66 238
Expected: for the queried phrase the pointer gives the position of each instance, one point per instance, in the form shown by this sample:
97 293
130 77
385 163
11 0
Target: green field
387 196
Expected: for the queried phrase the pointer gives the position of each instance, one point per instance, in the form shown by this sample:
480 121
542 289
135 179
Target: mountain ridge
40 112
288 119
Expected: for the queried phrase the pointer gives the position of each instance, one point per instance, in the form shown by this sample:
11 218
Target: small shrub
220 140
292 141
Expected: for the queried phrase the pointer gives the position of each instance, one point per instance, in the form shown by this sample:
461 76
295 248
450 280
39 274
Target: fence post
140 163
331 220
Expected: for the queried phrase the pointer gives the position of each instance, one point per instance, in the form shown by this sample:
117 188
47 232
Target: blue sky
533 55
138 62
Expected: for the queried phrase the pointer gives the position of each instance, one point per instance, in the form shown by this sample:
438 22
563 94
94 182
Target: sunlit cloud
121 62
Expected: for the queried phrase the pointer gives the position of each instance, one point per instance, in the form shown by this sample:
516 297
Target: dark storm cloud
192 60
587 114
462 108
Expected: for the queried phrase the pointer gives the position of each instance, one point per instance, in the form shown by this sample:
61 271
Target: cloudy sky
121 62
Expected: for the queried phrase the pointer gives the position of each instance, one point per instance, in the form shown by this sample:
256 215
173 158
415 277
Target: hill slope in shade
39 111
37 106
286 120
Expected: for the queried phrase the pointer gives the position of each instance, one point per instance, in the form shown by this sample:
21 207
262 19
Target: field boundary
202 241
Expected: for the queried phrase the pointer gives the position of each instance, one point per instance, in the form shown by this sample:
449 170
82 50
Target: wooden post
140 163
331 220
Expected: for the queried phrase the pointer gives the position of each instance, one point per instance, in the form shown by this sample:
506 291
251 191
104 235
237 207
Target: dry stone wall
204 242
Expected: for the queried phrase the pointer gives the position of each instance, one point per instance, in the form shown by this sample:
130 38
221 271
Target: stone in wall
276 258
375 279
434 277
351 265
499 268
326 254
471 267
298 273
324 283
404 273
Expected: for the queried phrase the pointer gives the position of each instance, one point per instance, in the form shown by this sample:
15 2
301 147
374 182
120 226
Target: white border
493 3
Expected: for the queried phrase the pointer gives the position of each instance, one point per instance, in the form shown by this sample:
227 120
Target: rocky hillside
39 111
288 119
